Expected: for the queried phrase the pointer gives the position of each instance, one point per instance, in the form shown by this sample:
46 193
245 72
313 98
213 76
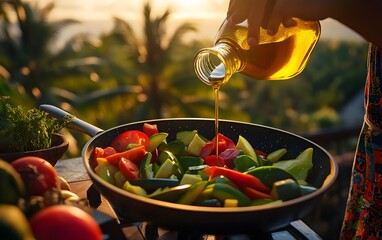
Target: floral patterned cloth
363 215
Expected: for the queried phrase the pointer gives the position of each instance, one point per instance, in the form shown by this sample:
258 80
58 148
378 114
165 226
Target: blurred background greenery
124 75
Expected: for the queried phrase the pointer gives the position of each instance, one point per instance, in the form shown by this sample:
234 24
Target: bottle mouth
210 67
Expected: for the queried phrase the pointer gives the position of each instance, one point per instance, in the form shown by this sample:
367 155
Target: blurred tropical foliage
122 77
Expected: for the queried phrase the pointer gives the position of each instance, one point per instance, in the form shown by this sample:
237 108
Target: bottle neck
216 65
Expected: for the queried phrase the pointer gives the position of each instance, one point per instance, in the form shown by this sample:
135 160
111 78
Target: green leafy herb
26 130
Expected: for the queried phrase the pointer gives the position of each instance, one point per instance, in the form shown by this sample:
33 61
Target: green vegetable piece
153 184
106 171
167 169
134 189
212 202
196 145
193 193
196 169
145 167
176 147
221 179
170 194
244 162
190 179
298 167
269 174
156 139
186 136
276 155
223 191
247 148
119 179
185 162
285 190
164 155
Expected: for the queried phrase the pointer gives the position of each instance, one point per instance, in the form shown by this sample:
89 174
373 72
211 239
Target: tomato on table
123 140
63 222
38 174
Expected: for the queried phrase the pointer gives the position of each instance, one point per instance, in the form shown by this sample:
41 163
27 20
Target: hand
270 14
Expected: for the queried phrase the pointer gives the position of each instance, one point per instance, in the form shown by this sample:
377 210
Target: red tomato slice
121 142
150 129
135 155
128 169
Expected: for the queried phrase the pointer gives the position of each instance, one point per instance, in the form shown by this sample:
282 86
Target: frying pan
214 220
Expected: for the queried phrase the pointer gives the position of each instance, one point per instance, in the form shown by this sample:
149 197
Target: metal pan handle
76 124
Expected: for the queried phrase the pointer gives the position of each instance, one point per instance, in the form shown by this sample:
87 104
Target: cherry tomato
38 174
121 142
150 129
128 169
63 222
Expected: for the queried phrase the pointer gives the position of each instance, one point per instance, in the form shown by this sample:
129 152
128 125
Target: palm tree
28 59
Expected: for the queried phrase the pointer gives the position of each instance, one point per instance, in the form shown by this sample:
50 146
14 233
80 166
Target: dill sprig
26 130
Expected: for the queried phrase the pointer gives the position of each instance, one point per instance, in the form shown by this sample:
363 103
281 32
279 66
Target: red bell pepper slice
240 179
212 160
223 143
150 129
135 155
255 194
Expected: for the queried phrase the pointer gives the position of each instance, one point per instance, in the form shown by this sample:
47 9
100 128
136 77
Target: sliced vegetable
155 140
298 167
121 142
167 169
186 136
196 145
276 155
193 193
285 190
269 174
247 148
223 191
135 155
146 167
190 179
170 194
238 178
149 129
134 189
128 169
245 162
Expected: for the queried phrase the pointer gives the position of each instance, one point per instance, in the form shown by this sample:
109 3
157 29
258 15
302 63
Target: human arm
359 15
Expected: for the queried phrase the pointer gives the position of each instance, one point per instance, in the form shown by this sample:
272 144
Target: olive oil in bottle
277 57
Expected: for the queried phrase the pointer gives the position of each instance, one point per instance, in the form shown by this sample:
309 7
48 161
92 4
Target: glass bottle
277 57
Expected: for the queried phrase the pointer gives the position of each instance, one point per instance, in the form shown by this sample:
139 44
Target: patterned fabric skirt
363 215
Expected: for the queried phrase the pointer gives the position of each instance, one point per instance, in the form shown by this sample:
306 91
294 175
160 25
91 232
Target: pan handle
76 123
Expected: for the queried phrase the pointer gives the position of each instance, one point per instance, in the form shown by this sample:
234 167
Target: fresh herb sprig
26 130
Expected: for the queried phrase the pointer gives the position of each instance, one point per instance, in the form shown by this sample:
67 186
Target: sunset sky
96 15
